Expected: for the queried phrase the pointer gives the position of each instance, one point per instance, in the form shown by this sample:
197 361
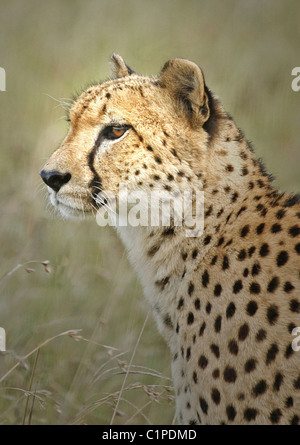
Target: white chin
69 212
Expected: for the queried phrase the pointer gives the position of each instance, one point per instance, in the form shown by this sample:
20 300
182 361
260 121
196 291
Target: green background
247 50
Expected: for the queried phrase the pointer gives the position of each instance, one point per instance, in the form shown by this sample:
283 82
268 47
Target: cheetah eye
114 132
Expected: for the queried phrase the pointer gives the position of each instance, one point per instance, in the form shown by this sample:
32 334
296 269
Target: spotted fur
227 301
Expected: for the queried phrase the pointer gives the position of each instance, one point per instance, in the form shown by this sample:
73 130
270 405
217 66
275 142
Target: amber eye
118 132
114 132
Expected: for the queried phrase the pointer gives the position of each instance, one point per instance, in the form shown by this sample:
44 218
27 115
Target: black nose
55 179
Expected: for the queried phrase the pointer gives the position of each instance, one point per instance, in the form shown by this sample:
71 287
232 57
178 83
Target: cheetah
226 301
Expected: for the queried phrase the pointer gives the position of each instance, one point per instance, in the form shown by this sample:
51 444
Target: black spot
180 303
295 305
168 321
233 347
195 377
230 374
225 264
261 335
288 287
209 211
242 255
229 168
289 402
238 285
291 326
203 405
202 329
208 308
216 396
250 365
214 260
170 177
217 290
251 308
255 269
275 415
264 250
297 383
169 231
276 228
191 288
184 256
230 311
259 388
188 354
297 248
294 231
295 420
205 279
149 148
277 381
190 318
289 351
251 251
280 214
158 159
197 304
231 412
202 362
152 251
221 241
254 288
245 231
291 201
242 209
207 240
273 284
218 323
244 171
195 253
216 373
215 350
243 332
108 95
162 283
260 228
246 272
250 414
271 354
234 197
272 314
282 258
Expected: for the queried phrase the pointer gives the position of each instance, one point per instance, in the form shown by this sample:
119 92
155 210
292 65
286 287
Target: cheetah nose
55 179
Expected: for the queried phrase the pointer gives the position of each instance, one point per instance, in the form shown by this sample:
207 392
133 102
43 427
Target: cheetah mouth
70 207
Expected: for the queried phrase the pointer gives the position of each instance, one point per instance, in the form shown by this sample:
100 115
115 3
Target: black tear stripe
96 183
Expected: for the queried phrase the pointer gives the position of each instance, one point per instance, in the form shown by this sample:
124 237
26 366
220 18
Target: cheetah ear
118 67
185 81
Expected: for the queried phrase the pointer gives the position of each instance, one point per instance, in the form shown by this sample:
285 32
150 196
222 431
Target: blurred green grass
247 51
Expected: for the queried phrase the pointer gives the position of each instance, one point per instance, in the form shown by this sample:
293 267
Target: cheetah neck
162 258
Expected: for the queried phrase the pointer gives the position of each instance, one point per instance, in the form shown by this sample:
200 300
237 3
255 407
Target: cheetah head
149 133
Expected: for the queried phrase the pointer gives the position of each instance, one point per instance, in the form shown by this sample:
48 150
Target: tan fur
226 302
